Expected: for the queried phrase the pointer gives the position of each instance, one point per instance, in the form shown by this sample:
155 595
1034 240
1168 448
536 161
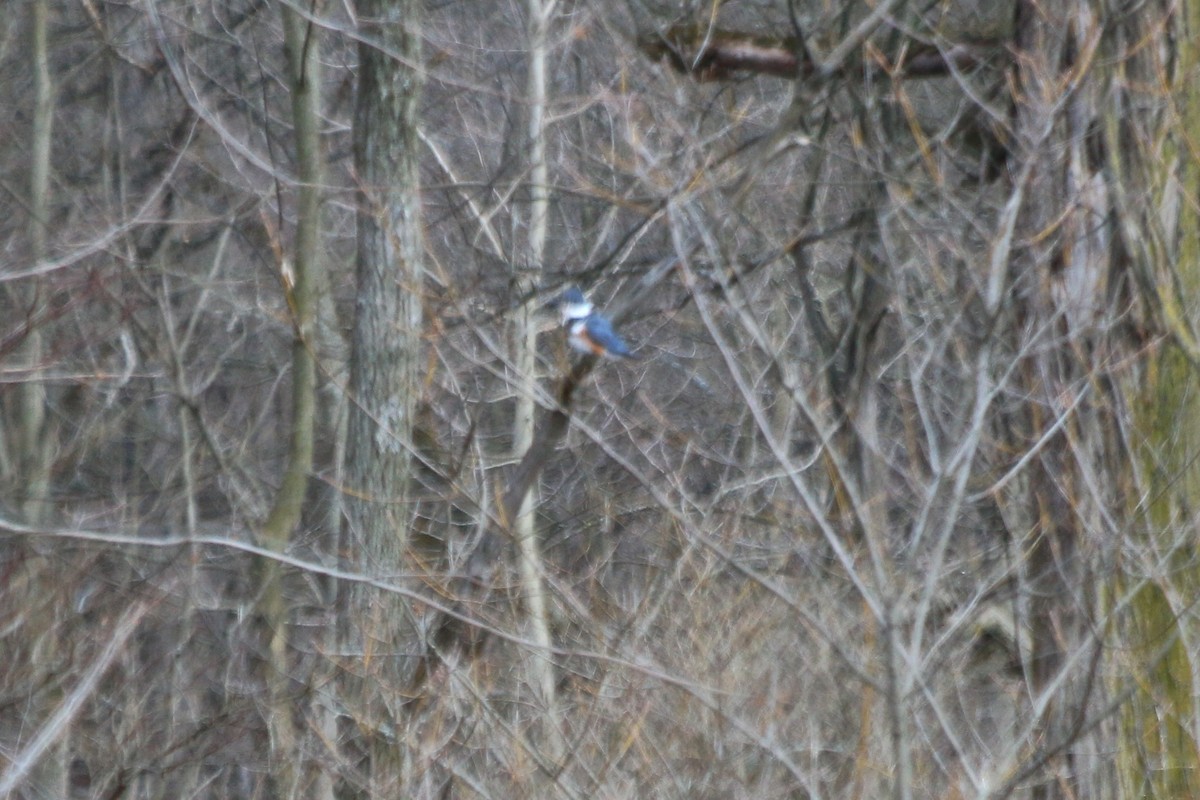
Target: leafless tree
305 496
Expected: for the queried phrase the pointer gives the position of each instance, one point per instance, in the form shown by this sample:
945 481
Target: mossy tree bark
300 274
1159 757
32 443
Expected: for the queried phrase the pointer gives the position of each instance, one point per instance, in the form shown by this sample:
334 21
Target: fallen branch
715 55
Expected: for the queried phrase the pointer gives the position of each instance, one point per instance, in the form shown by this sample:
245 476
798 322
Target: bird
589 331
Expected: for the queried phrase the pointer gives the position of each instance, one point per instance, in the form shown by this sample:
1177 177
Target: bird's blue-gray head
574 305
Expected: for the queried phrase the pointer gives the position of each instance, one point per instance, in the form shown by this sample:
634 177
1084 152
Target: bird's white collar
576 311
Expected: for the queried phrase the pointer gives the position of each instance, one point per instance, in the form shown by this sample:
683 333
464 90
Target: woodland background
302 495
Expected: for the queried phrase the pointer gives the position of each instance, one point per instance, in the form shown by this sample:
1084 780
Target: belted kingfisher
587 331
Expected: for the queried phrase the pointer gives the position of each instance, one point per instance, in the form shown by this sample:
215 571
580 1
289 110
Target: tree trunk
33 436
1159 756
1046 41
525 346
384 361
303 54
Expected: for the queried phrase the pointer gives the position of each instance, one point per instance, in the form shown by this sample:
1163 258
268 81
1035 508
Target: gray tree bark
385 358
525 336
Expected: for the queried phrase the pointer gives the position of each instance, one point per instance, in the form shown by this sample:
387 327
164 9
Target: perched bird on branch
589 331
